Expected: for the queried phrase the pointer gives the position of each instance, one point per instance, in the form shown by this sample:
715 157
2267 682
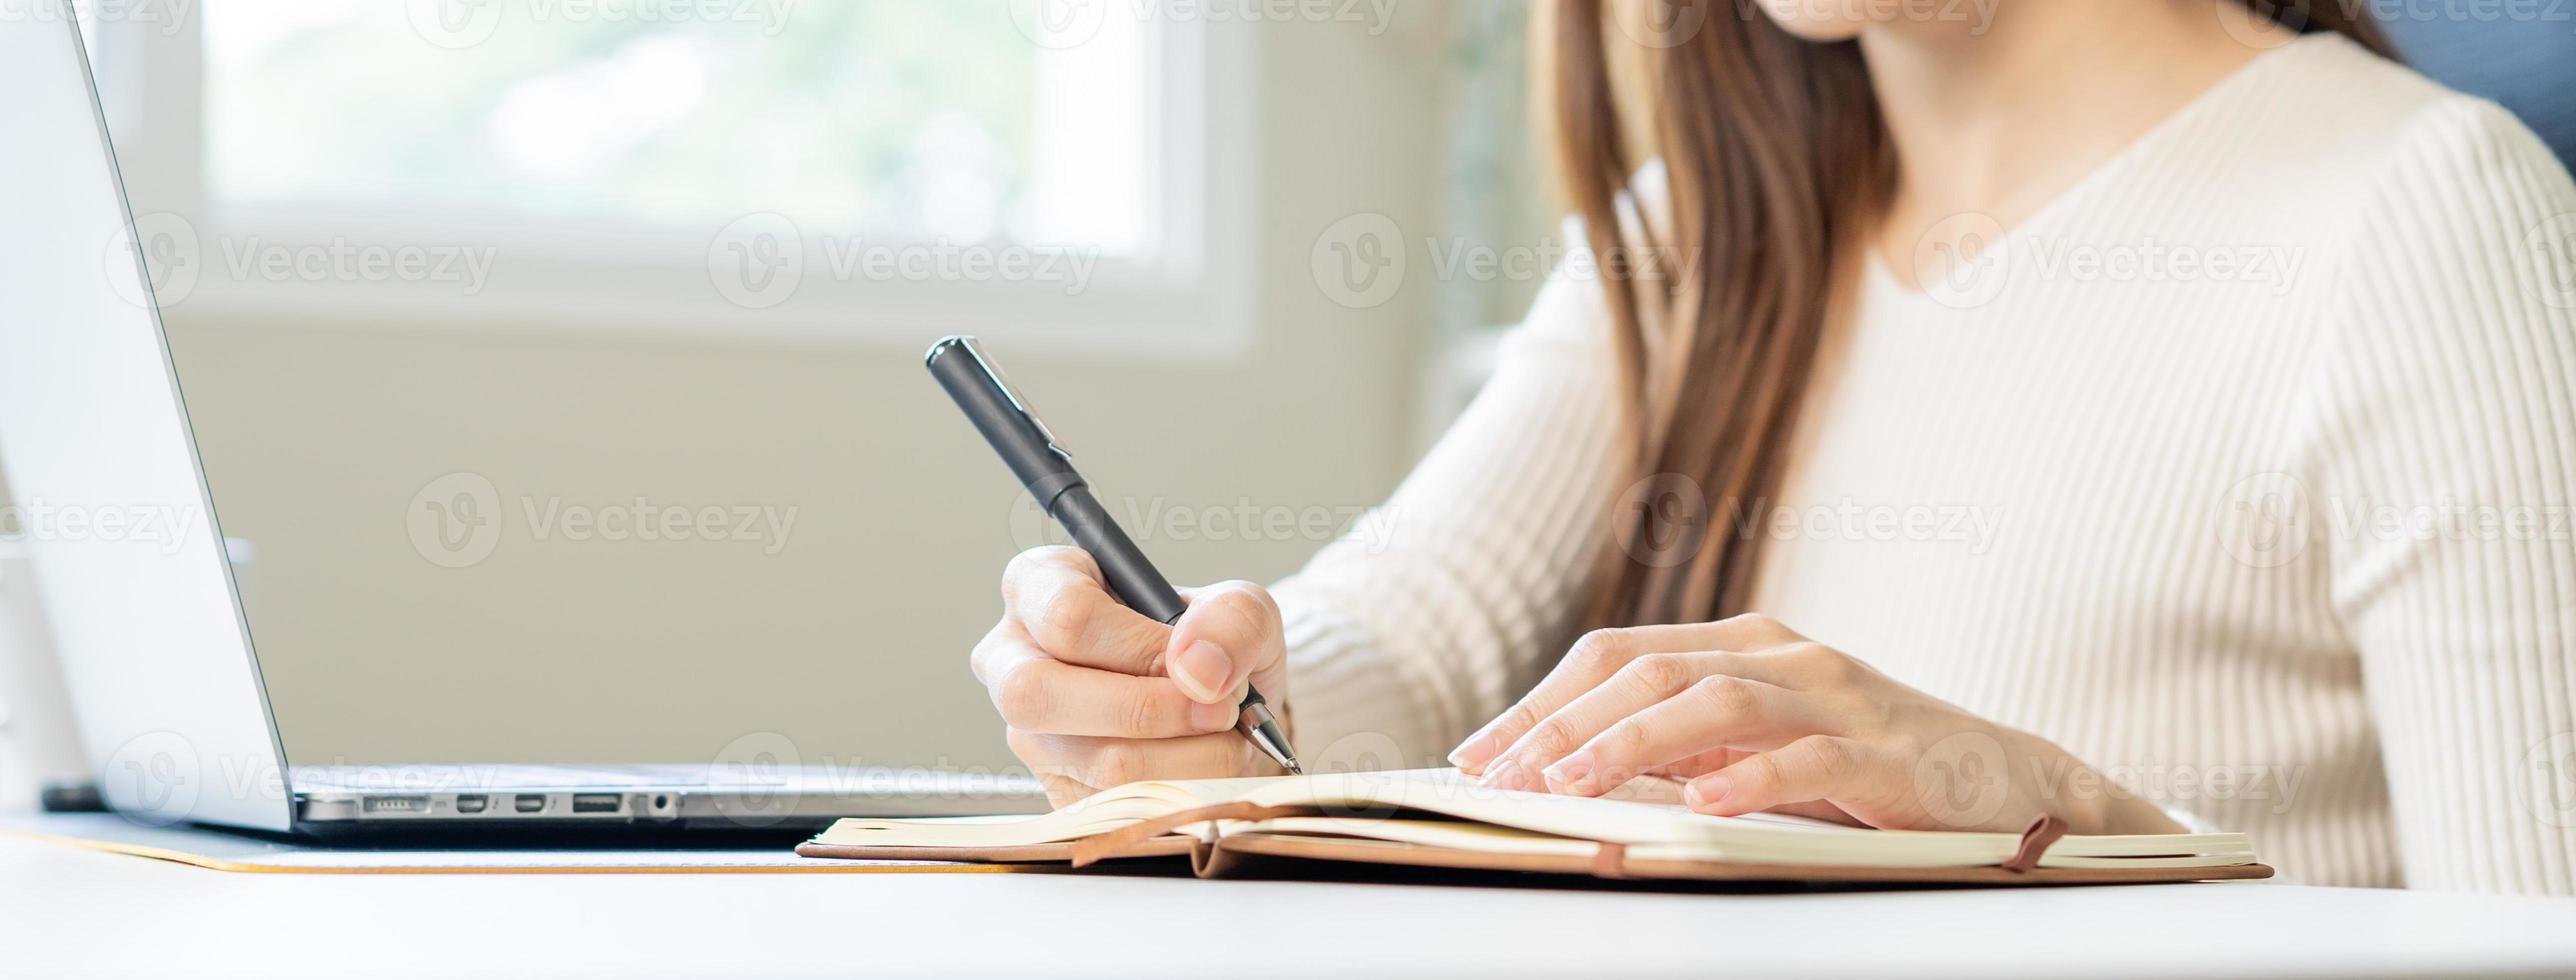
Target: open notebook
1439 818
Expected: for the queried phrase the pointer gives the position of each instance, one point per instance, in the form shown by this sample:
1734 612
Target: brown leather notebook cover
1219 855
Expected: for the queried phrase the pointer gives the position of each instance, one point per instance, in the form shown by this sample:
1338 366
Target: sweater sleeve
2442 483
1471 577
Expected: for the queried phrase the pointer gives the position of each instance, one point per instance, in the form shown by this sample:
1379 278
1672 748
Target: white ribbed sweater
2116 497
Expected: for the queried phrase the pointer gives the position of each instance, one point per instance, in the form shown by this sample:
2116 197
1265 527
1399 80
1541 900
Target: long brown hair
1774 157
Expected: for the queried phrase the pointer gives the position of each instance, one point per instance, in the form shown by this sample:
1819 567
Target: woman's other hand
1756 717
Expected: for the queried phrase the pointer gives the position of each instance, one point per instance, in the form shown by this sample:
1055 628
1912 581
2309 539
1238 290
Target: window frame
1195 299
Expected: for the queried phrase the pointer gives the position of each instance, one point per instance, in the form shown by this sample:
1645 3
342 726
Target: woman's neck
1997 118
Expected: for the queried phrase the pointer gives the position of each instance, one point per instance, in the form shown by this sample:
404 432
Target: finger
1636 686
1039 694
1716 711
1230 631
1105 763
1063 792
1594 658
1685 769
1819 810
1003 640
1816 767
1056 596
1060 780
1751 631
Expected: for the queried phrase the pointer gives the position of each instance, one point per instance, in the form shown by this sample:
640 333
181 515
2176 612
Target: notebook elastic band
2034 843
1109 845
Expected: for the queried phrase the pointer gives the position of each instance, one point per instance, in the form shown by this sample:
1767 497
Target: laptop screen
106 498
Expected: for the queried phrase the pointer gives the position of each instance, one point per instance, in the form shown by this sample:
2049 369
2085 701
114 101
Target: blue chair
2526 65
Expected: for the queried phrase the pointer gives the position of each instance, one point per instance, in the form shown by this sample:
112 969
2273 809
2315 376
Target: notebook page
1454 834
1354 801
1447 792
1670 831
1342 795
1098 813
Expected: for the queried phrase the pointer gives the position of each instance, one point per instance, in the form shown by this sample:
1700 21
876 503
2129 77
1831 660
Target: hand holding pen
1103 672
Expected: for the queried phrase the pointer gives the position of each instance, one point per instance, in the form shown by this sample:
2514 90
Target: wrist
2130 813
2092 804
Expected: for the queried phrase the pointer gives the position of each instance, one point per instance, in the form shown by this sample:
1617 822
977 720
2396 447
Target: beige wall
851 641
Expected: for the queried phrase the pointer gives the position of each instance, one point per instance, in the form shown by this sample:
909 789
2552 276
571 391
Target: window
745 166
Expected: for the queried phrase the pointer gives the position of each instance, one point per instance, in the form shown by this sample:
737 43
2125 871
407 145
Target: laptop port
472 803
529 802
594 803
397 804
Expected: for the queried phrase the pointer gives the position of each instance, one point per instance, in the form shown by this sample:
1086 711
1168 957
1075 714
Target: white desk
66 912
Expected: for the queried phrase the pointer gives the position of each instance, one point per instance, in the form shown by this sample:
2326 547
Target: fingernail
1506 774
1705 792
1475 751
1572 774
1212 717
1202 670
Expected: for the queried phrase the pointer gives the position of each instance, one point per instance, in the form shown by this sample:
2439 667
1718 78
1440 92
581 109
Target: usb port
396 804
594 803
472 803
529 802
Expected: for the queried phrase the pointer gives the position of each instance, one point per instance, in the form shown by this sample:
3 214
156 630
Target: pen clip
1002 382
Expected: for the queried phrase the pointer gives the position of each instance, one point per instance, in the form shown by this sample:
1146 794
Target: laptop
157 657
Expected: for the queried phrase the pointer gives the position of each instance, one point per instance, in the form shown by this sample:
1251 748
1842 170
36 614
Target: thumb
1229 635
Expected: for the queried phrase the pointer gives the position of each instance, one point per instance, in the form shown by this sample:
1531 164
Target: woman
2156 415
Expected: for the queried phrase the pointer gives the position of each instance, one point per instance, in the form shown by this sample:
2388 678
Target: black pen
1030 449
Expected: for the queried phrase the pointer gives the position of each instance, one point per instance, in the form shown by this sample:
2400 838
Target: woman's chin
1810 21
